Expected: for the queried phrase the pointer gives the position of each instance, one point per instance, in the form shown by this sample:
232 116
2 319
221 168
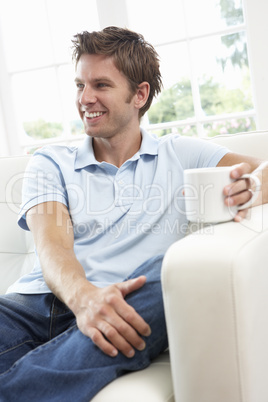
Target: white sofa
215 285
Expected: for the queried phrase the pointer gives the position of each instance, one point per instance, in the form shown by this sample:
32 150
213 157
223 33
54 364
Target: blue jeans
44 356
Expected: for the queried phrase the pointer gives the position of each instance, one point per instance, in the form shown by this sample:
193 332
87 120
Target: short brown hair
133 56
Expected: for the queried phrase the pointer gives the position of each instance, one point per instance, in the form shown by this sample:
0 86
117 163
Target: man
102 216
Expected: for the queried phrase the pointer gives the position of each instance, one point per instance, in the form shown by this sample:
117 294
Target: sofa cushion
152 384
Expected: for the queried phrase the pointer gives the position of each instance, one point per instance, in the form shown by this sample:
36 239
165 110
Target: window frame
111 13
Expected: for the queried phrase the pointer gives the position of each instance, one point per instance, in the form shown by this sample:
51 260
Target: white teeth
92 115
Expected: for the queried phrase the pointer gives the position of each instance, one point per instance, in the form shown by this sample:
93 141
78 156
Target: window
37 41
203 50
203 47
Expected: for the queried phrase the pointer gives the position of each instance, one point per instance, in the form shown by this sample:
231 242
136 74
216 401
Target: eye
101 85
79 86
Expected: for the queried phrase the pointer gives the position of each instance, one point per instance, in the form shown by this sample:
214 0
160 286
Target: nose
87 96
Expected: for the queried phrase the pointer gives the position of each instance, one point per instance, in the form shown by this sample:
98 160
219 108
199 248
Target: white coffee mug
204 198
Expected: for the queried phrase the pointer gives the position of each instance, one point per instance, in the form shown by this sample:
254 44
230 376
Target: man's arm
101 314
238 192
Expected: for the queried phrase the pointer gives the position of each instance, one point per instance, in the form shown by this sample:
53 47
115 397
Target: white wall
4 149
9 144
256 15
111 15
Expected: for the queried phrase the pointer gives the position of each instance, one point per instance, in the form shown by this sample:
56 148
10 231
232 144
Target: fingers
238 198
241 215
236 187
111 333
123 326
239 170
109 340
238 192
131 318
121 335
111 323
98 339
131 285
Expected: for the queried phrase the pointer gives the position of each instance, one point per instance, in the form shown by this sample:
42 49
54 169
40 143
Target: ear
142 94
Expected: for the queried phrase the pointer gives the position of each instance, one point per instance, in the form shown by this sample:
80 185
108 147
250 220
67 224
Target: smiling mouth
93 115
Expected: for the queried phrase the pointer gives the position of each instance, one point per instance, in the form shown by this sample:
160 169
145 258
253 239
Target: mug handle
254 193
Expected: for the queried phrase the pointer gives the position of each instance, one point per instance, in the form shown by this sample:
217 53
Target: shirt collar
149 144
85 153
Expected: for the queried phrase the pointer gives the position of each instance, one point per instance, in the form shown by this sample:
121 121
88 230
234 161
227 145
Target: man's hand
101 313
240 191
111 323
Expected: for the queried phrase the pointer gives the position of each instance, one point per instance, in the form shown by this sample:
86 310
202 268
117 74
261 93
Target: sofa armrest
215 285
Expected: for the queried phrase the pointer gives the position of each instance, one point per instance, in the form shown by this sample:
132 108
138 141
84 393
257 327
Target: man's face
104 101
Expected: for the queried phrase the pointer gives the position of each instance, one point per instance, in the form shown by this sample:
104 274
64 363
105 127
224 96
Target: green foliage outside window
176 104
40 129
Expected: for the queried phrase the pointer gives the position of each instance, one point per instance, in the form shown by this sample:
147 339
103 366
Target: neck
116 150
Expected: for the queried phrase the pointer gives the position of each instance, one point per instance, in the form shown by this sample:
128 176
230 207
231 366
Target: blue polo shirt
121 216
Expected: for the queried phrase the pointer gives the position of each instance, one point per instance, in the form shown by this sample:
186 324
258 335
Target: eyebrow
103 79
96 80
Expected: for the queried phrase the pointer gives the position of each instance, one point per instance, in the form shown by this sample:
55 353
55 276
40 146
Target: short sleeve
198 153
43 182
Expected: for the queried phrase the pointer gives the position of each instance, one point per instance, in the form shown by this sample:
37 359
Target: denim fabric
44 356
